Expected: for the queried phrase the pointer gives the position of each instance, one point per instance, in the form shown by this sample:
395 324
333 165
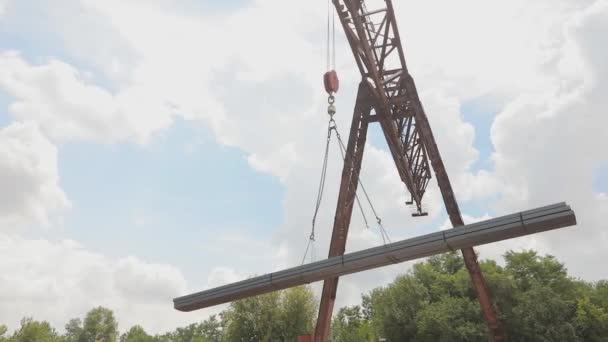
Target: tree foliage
350 325
537 299
100 326
34 331
136 334
277 316
3 330
73 331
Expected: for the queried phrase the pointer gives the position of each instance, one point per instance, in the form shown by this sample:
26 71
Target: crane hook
331 109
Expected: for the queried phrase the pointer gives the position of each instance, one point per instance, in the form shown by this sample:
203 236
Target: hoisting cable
343 153
328 65
311 239
383 231
331 83
331 37
332 126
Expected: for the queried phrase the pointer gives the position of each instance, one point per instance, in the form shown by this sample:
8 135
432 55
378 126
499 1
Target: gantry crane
387 95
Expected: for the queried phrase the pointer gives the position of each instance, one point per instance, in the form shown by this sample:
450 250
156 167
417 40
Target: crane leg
497 333
346 199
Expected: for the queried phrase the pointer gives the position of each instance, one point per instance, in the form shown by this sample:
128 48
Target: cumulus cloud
255 86
467 220
66 106
58 280
28 177
548 144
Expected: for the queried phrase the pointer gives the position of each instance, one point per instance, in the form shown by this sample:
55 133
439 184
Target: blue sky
173 195
180 198
185 188
600 178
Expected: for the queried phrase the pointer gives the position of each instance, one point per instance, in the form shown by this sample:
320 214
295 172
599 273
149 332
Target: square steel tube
501 228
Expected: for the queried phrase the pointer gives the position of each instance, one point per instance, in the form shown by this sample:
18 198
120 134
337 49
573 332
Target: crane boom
389 91
379 56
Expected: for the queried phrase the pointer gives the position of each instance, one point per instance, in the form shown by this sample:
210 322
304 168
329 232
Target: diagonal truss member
388 90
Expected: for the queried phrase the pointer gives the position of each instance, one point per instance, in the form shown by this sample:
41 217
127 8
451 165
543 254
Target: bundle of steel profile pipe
506 227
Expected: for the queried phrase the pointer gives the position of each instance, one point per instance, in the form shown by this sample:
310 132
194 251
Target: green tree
3 331
34 331
136 334
541 314
350 325
443 275
212 329
167 337
535 298
450 319
74 331
599 294
394 308
298 309
190 333
255 319
544 301
591 321
276 316
100 326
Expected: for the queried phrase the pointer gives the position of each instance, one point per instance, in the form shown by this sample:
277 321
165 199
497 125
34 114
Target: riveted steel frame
378 54
376 45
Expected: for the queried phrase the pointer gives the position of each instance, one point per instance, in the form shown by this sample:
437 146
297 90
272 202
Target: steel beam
506 227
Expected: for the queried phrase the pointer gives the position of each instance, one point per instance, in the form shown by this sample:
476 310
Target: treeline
538 301
278 316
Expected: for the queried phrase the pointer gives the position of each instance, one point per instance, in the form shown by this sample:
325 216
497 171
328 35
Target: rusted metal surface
378 53
331 82
376 45
304 338
346 200
470 258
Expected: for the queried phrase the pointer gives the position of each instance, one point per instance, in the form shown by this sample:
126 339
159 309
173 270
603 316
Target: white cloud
66 106
55 281
483 47
548 145
28 177
221 276
253 77
3 5
467 220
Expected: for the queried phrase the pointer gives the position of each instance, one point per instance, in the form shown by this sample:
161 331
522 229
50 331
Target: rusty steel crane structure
387 94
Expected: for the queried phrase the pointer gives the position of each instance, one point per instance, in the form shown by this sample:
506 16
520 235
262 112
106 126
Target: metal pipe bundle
502 228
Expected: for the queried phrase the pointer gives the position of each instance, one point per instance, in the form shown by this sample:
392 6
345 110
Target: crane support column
374 39
451 205
346 201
